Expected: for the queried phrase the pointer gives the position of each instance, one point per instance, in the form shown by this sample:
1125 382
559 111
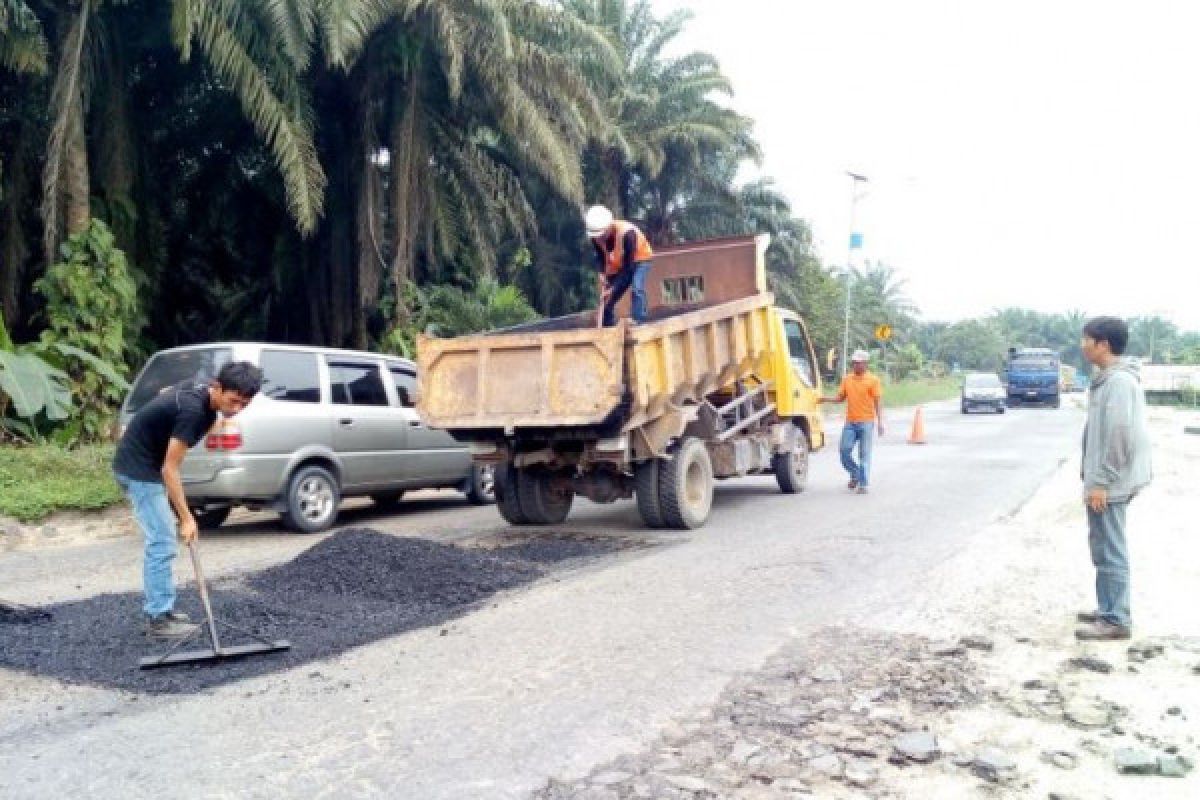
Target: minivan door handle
414 423
346 423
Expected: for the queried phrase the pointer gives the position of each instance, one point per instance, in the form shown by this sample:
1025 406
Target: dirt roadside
976 688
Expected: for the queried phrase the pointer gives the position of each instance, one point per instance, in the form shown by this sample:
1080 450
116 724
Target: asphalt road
546 680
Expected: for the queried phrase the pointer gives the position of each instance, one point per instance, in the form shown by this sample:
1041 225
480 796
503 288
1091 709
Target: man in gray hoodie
1116 466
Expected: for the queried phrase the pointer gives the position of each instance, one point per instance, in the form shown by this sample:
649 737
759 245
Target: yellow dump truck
718 383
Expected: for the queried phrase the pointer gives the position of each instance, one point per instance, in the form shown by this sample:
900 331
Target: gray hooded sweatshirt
1116 442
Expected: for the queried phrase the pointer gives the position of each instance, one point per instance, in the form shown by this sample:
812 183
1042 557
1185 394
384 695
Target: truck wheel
507 500
312 500
645 489
686 486
542 503
481 484
1057 403
791 469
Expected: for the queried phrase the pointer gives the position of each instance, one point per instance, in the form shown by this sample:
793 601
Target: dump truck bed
566 373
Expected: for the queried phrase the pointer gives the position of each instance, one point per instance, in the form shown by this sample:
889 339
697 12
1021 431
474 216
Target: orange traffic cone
917 436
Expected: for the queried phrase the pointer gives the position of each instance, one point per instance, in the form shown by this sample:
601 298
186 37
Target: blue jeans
1106 539
862 434
620 283
156 518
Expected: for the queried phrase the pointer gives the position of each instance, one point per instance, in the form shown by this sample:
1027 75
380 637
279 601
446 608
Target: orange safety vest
614 259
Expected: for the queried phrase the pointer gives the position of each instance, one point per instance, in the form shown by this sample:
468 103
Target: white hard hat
860 355
597 220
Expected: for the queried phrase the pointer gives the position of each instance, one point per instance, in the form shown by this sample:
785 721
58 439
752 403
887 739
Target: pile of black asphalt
355 587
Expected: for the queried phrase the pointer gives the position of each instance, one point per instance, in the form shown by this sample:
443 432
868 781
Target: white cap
860 355
597 220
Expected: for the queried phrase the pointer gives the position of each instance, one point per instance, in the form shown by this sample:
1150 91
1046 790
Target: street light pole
853 243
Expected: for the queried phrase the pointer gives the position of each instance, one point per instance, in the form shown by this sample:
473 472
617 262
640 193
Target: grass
914 391
921 390
39 480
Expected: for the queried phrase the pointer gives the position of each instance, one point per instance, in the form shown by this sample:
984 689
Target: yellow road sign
883 332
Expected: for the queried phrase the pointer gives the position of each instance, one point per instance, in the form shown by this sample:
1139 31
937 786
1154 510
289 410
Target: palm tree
23 46
255 56
659 109
877 298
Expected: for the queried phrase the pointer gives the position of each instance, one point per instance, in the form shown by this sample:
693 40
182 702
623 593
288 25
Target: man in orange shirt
863 395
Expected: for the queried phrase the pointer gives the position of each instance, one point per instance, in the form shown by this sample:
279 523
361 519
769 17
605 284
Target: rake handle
208 613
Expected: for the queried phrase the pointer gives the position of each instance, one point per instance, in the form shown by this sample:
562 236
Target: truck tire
1057 401
541 502
507 499
646 490
686 486
312 500
791 469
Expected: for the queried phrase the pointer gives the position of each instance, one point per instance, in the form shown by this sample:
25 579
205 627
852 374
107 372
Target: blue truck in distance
1032 375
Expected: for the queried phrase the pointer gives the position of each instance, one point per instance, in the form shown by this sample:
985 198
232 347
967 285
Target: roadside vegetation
914 391
38 480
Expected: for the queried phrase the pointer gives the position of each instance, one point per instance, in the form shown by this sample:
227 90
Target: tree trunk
406 166
66 187
370 199
116 150
77 210
14 248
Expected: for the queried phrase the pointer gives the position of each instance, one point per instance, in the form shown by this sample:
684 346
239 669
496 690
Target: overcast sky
1038 154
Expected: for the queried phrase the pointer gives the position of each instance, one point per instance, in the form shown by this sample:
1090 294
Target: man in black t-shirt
147 467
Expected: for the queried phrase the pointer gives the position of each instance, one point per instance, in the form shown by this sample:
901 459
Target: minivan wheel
481 484
211 518
312 500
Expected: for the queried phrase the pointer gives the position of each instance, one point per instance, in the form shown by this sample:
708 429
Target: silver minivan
327 424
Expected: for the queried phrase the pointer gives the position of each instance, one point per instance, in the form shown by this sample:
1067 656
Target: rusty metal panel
730 269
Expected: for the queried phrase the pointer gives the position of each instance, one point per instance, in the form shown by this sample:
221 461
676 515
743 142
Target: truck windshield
1034 363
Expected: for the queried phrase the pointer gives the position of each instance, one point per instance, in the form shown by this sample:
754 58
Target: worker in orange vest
623 259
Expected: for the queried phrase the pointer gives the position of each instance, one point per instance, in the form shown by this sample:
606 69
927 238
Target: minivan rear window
290 376
168 369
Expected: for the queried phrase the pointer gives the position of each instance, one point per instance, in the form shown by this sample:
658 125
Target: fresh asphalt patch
353 588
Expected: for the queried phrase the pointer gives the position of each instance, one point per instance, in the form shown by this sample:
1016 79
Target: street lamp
855 242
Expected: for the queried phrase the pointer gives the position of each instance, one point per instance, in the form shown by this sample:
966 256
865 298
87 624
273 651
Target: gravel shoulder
974 687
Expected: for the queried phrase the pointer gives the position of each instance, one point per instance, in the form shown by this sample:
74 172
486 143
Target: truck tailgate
520 380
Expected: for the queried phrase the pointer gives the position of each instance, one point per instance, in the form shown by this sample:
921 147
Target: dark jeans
619 284
1106 539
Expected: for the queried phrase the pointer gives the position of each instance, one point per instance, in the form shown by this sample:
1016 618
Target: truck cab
1032 375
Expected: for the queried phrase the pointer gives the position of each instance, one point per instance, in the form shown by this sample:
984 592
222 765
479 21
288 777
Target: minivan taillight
225 435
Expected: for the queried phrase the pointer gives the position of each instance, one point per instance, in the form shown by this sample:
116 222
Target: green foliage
37 481
914 391
31 388
445 311
907 361
91 307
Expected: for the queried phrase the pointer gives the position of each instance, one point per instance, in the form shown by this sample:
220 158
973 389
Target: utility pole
854 243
